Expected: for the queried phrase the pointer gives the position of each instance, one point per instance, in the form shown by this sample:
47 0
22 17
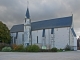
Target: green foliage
54 49
67 48
18 48
45 50
6 49
2 45
32 48
4 33
60 50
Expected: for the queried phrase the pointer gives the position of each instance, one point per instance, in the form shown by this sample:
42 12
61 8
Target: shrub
28 48
18 48
14 47
60 50
54 49
32 48
67 48
45 50
6 49
2 45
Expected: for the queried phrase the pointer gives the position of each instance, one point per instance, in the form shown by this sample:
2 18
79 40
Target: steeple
27 13
27 28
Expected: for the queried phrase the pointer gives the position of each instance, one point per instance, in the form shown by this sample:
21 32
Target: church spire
27 12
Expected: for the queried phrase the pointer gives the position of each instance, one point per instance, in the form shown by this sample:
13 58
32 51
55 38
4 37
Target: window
27 44
43 34
37 39
52 30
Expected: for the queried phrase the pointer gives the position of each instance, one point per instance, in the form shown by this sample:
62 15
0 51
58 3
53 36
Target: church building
46 34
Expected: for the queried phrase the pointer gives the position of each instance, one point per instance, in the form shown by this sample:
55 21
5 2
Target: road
71 55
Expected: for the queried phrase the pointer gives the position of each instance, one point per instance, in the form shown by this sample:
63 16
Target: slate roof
52 23
45 24
17 28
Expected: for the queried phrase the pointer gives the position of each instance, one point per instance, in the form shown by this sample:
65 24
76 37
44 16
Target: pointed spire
27 12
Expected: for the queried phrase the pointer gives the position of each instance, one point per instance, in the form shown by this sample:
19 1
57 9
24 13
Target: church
47 34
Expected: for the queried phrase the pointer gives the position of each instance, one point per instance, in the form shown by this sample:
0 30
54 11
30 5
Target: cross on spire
27 3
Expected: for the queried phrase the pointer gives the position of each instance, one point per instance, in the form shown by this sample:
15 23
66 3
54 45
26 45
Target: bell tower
27 29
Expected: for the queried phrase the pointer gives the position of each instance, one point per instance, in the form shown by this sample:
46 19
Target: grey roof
52 23
45 24
17 28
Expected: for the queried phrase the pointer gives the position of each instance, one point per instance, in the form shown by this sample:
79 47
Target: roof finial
27 3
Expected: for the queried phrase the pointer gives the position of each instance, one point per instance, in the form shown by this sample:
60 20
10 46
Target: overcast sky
12 12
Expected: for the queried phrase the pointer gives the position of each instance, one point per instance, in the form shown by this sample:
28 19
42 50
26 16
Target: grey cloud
13 11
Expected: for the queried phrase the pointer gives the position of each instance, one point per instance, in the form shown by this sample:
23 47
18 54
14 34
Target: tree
4 33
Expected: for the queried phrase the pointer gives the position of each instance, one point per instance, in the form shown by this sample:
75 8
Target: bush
67 48
6 49
60 50
18 48
54 49
45 50
32 48
2 45
14 47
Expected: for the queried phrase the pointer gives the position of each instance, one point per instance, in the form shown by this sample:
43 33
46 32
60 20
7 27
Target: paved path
73 55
